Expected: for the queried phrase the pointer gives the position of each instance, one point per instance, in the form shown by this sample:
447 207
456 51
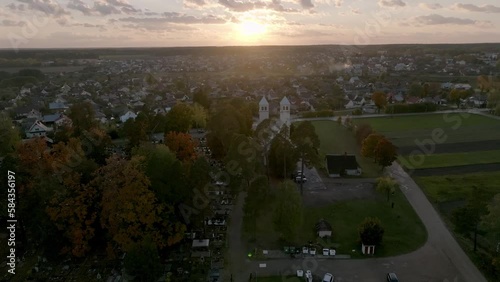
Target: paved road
238 264
440 259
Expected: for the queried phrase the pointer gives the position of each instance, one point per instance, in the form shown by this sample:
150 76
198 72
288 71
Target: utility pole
302 174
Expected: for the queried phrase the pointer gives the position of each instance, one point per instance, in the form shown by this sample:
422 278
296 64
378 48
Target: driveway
440 259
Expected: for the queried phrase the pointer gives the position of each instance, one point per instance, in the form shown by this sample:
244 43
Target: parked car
333 252
392 277
326 252
309 276
328 278
300 178
312 251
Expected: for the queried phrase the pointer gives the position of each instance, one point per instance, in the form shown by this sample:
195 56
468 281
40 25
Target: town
271 163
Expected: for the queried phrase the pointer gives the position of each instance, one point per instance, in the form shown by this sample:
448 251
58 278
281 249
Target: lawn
451 188
336 139
455 159
405 130
404 232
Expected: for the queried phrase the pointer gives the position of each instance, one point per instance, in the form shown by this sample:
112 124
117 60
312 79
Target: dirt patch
339 190
454 170
446 148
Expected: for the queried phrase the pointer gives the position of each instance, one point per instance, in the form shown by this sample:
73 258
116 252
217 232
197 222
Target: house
37 129
56 106
128 115
339 165
324 229
200 248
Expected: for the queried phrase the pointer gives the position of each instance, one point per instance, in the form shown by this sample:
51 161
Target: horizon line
241 46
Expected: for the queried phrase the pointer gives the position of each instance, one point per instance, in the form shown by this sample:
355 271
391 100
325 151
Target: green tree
242 157
200 96
282 155
179 119
255 202
416 90
288 215
371 231
490 220
143 261
9 134
199 116
83 118
386 185
306 143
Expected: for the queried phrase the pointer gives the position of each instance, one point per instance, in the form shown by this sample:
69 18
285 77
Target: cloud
306 4
178 18
195 2
243 6
14 7
79 5
391 3
49 7
104 8
430 6
12 23
338 3
474 8
355 11
435 19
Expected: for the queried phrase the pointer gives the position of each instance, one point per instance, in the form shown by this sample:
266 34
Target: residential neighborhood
252 163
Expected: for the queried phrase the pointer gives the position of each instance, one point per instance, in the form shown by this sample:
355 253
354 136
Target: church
284 110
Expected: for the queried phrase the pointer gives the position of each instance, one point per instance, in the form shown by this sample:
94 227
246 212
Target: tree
282 155
306 143
179 119
380 100
490 220
385 152
199 116
143 261
225 121
456 96
82 117
363 131
9 135
386 185
182 145
288 214
255 202
369 145
200 96
371 231
129 210
136 131
242 157
417 90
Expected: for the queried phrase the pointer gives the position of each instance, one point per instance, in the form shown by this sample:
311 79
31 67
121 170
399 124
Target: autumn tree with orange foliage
385 153
182 145
129 210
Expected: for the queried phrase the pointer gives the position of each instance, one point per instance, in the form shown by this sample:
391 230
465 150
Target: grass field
336 139
404 232
456 159
451 188
405 130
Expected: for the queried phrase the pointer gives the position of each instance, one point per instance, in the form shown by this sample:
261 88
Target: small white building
285 111
263 109
128 115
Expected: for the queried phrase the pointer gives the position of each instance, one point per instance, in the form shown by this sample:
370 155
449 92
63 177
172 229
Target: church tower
263 109
285 111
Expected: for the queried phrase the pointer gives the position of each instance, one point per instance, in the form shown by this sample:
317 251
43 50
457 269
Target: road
440 259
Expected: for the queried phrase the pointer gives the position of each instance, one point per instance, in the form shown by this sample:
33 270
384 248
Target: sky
166 23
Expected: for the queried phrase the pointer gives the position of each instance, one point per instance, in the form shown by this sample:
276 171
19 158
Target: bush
357 112
411 108
325 113
143 261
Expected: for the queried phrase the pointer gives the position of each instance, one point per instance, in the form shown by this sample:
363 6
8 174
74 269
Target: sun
251 30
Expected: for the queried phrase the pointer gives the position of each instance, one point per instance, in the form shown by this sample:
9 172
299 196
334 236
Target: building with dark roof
342 165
